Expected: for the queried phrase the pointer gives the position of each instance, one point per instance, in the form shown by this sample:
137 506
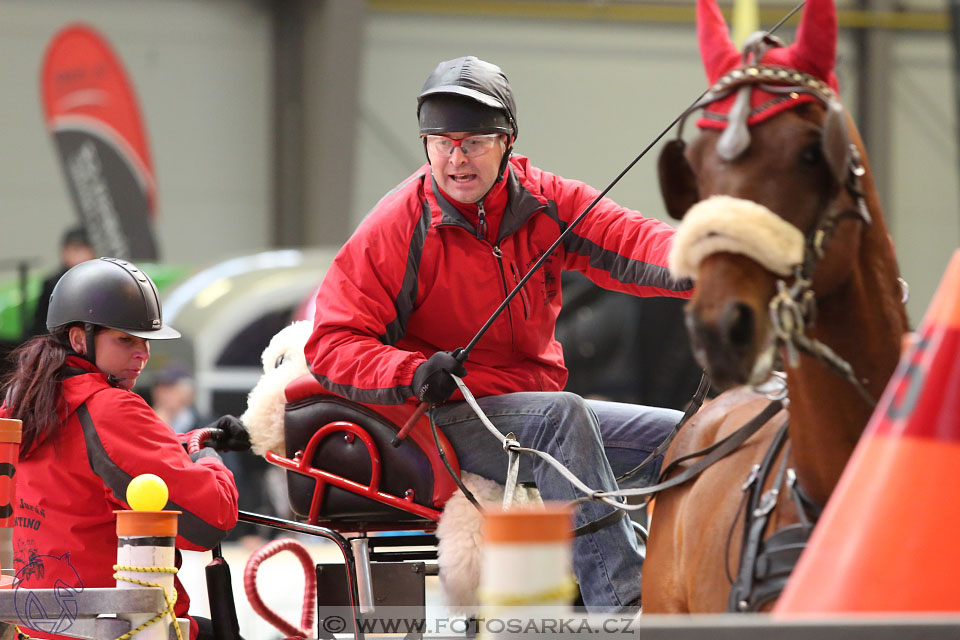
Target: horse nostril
738 324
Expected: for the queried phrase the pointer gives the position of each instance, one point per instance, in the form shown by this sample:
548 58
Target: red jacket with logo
418 277
68 487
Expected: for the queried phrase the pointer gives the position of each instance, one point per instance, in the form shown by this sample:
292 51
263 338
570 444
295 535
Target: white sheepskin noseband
733 225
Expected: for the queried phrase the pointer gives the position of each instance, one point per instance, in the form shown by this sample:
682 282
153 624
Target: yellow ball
147 492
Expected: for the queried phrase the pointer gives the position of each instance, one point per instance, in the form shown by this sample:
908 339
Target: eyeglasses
471 146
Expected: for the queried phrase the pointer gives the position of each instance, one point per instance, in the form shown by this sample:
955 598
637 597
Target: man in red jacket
434 259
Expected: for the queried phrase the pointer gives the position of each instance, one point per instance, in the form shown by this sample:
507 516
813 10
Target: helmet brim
163 333
473 94
444 112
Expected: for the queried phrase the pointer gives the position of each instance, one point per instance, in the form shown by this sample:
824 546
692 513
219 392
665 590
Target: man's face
466 177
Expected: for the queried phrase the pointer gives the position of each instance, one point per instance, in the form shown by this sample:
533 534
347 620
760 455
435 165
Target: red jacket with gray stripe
416 278
69 486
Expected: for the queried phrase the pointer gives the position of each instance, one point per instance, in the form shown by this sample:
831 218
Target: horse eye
279 361
812 154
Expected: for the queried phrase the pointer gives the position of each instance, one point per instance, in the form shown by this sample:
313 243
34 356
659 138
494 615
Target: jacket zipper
482 222
506 289
523 294
482 235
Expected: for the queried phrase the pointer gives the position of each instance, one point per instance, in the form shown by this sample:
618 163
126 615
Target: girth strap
775 562
765 564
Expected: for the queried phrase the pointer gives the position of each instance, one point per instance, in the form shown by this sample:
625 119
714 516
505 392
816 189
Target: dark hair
32 391
76 236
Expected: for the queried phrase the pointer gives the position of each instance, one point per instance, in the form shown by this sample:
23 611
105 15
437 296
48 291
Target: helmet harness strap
90 331
503 163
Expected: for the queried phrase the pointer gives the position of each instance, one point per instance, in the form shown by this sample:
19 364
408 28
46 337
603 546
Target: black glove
432 382
206 452
234 437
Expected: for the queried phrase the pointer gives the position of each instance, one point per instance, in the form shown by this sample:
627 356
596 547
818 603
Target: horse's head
772 176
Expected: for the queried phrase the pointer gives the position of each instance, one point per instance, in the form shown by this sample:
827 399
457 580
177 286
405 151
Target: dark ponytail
32 392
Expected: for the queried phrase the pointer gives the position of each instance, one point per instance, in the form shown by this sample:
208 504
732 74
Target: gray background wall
201 72
281 123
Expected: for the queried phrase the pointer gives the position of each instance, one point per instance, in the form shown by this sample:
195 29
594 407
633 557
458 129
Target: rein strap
711 454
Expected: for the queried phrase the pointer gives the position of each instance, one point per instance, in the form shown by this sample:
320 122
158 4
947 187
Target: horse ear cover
678 183
813 52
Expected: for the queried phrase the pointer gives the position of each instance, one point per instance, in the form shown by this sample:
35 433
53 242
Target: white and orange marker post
10 432
527 565
146 554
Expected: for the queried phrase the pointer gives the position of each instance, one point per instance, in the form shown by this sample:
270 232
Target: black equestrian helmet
110 293
467 94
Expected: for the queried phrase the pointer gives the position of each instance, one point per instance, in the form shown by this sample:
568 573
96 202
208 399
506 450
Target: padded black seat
405 470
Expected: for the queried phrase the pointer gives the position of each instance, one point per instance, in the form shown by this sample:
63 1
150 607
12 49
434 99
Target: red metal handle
199 437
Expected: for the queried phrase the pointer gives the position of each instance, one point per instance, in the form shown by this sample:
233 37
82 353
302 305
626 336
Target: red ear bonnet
814 53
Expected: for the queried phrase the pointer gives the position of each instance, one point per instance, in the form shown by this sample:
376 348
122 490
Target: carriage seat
342 466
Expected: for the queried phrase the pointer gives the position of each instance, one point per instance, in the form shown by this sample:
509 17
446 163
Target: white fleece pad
733 225
283 362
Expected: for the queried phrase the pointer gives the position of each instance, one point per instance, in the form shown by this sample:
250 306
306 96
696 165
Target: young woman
86 435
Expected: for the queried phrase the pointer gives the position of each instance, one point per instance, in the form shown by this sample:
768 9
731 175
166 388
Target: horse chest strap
753 587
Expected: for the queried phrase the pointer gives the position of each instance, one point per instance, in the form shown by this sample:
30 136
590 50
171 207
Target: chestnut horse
786 222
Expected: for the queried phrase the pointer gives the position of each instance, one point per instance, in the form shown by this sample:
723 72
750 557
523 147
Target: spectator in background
172 397
75 247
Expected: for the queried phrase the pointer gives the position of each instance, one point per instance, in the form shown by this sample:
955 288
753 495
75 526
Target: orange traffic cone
888 539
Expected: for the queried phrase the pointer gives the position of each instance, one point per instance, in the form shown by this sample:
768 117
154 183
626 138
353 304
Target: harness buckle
904 289
856 164
751 478
775 387
790 309
820 243
791 478
767 503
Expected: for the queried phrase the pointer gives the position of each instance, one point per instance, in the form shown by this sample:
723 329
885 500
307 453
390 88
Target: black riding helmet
110 293
468 94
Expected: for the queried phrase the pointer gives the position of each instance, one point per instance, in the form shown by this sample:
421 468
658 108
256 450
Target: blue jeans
597 441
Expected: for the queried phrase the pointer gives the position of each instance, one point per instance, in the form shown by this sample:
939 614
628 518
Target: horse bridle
793 308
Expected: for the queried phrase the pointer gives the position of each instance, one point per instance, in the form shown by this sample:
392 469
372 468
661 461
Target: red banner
93 116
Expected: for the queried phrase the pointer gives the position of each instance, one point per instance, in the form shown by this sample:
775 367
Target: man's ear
78 340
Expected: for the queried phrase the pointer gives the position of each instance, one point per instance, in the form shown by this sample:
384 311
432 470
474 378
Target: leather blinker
678 183
836 141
